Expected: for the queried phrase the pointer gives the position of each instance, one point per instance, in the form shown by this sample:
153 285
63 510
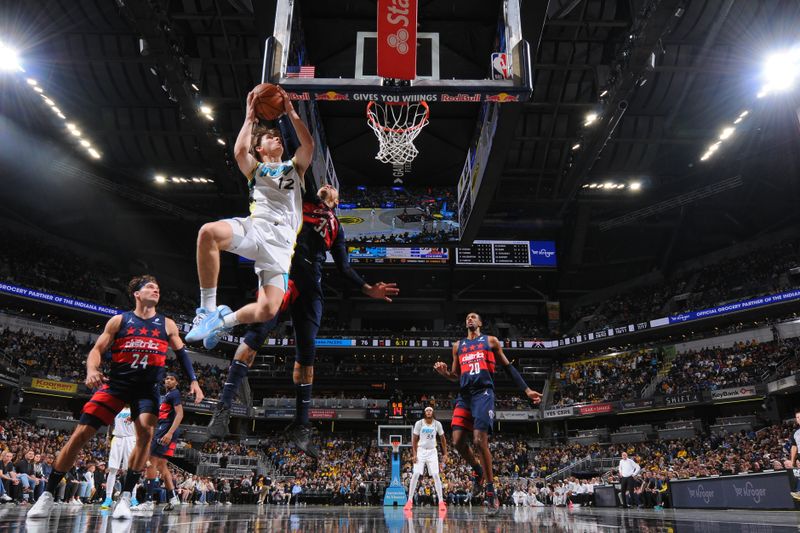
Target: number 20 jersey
276 190
476 362
139 350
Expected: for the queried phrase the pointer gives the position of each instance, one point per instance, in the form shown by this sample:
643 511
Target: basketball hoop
396 446
396 125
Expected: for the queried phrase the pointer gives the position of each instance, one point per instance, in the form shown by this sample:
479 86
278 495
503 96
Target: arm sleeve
339 253
516 377
439 428
186 364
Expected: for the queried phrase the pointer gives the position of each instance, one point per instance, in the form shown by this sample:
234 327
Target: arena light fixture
32 81
608 185
221 141
160 178
38 89
205 109
576 146
195 87
590 118
726 132
196 180
94 153
781 71
9 59
76 133
635 185
85 143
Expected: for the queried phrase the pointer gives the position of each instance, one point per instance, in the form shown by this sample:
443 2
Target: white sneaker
42 507
175 500
5 498
122 510
144 506
228 503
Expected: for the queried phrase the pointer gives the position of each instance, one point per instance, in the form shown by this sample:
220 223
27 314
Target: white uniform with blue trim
426 446
269 234
123 442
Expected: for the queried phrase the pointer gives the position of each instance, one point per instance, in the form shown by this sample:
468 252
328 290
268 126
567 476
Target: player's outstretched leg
300 430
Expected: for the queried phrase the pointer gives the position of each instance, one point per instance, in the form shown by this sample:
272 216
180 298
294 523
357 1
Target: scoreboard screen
508 253
378 255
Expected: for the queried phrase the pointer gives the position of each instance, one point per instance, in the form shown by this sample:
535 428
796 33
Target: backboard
387 433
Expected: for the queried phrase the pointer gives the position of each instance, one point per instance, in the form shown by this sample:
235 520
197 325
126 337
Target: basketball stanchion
395 493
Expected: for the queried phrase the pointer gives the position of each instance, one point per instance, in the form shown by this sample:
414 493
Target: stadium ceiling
662 77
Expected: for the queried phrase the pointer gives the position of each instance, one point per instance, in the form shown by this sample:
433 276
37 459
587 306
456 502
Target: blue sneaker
206 323
107 504
210 342
134 501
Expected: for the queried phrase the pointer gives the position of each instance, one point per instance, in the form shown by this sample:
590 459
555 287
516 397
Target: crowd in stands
745 363
758 272
605 379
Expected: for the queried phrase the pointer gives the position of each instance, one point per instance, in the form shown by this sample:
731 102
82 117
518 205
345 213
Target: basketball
268 101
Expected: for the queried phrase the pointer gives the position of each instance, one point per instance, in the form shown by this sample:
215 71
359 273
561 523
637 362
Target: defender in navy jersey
321 233
138 341
474 360
170 416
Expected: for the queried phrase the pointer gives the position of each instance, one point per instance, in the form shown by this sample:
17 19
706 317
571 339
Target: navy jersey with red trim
139 350
476 362
166 411
321 233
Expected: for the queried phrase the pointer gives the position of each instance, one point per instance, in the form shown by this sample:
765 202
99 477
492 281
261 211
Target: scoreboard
388 256
508 254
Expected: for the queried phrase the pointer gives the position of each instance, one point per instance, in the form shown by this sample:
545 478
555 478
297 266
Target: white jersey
277 193
123 426
427 434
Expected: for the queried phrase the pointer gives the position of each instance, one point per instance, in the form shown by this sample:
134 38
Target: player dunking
423 448
474 360
122 444
170 416
320 233
267 236
138 341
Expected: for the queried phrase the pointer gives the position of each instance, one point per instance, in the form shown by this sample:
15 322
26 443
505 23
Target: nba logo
500 66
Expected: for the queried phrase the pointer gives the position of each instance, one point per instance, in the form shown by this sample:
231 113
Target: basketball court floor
246 518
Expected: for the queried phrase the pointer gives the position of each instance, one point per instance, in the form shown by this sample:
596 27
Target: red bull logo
461 97
502 98
298 96
331 96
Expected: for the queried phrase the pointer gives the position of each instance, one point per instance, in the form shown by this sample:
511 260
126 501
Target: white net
396 125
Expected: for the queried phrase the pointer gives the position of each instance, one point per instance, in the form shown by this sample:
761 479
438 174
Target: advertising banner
630 405
735 392
558 412
681 399
322 414
595 408
755 491
512 415
281 413
736 306
54 386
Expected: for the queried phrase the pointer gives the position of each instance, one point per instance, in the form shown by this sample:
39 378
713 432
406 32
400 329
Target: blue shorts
164 450
109 400
474 411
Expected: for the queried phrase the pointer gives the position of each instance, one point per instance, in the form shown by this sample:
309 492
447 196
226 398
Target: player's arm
792 457
182 355
94 376
244 141
512 372
441 367
379 291
167 438
303 155
443 440
414 442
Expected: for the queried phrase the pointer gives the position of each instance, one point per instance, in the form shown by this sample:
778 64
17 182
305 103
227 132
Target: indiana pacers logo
351 220
399 41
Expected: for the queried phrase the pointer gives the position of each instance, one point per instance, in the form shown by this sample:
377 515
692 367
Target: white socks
230 320
413 487
208 298
437 481
111 480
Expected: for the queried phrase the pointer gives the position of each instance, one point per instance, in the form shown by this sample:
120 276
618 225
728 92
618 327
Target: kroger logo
701 494
748 491
399 41
544 252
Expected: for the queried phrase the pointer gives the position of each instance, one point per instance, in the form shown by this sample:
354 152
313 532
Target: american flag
300 72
